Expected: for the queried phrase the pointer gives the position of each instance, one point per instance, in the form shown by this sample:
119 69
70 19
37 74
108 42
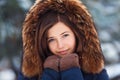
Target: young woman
61 43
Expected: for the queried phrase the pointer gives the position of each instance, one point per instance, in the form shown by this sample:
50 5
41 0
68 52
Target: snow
7 74
25 4
110 52
113 70
104 35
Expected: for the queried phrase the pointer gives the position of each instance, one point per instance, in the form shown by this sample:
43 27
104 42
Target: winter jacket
91 57
74 73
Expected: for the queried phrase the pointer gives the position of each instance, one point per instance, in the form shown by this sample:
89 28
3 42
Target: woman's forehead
58 29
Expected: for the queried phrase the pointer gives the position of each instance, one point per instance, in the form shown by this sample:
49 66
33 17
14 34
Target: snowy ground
7 74
113 70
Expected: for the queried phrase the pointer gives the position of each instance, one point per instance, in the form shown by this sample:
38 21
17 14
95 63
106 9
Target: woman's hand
69 61
52 62
62 63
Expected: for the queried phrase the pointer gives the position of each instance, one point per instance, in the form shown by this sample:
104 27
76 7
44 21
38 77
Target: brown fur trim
92 58
31 65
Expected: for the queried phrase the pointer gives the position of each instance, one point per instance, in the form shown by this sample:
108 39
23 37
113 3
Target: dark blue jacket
69 74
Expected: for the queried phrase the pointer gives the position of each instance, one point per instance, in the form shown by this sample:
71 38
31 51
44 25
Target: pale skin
61 39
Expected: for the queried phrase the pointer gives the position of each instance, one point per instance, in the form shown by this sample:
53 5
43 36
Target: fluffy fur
91 59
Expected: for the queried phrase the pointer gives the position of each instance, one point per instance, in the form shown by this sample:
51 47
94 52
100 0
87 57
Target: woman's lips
63 52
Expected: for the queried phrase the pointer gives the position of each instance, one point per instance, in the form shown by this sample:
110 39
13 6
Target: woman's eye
50 40
65 35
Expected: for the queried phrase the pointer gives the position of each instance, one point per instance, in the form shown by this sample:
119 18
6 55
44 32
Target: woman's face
61 39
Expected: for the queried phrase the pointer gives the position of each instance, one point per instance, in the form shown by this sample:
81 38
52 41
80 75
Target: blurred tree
11 19
12 16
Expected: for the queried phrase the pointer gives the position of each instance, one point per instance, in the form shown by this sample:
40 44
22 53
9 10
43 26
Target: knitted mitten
69 61
56 63
52 62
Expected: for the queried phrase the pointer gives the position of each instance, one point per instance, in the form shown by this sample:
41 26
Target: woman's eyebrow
64 32
50 37
60 34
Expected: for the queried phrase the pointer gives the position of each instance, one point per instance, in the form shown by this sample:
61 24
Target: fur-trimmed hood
92 58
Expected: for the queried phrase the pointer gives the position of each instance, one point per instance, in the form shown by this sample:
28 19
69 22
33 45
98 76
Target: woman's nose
60 44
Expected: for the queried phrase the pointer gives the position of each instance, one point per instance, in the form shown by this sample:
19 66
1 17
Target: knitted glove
52 62
56 63
69 61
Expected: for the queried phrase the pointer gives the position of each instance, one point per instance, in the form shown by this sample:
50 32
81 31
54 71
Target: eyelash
65 35
50 40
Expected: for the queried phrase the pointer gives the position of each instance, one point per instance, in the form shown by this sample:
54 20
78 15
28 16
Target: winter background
106 15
